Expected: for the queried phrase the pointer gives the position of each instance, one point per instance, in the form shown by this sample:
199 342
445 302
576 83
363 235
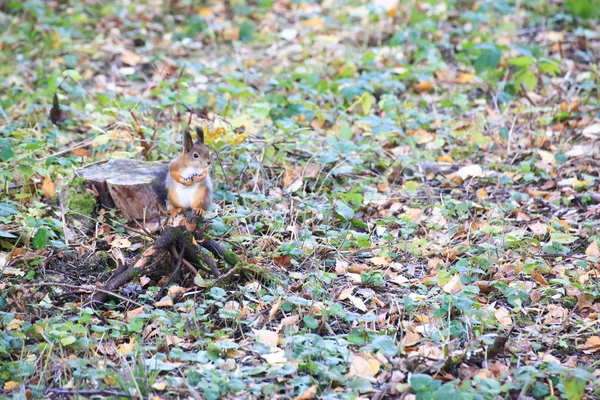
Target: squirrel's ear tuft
200 134
187 141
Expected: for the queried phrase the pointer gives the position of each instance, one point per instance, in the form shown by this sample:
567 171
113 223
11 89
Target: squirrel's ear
187 141
200 133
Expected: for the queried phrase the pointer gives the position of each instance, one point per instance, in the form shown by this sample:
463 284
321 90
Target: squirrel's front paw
201 177
187 181
200 211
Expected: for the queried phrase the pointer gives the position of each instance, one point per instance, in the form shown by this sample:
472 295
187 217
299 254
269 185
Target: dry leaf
539 278
312 170
424 86
121 243
126 349
283 261
592 250
358 303
381 261
503 316
539 228
364 367
316 23
266 337
134 313
454 285
130 58
346 293
11 385
274 309
308 394
592 131
275 357
166 301
470 171
481 193
48 188
556 315
592 344
464 78
160 385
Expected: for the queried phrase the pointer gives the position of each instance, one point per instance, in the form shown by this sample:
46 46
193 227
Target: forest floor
411 188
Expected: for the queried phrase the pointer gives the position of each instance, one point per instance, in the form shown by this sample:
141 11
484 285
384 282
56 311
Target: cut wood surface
135 188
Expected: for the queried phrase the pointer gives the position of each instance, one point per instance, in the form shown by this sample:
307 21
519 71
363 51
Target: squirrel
187 182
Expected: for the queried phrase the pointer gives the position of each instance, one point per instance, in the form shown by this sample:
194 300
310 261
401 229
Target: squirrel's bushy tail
160 185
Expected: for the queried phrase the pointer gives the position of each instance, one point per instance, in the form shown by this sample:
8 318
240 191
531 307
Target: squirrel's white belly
185 194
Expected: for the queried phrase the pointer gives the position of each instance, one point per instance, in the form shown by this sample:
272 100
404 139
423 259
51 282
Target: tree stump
135 188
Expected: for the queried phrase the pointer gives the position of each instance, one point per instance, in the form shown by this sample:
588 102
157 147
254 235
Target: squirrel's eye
195 155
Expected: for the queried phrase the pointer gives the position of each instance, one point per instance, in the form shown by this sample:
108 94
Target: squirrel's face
198 156
196 153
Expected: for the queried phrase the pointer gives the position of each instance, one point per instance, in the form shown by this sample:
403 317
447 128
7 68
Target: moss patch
81 201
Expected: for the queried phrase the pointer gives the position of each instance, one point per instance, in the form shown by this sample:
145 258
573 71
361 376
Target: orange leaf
424 86
48 188
80 152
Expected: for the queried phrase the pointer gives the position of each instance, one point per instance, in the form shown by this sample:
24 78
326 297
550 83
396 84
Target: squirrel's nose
209 162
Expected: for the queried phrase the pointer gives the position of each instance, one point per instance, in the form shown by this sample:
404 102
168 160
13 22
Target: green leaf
68 340
526 77
366 103
344 211
72 74
310 322
562 238
489 59
6 153
346 132
574 388
423 383
7 235
40 239
522 61
246 31
385 344
8 209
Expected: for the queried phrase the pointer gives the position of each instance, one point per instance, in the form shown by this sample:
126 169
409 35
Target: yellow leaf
316 23
160 386
445 159
382 261
11 385
231 33
464 78
126 349
48 188
366 103
482 194
205 12
121 243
